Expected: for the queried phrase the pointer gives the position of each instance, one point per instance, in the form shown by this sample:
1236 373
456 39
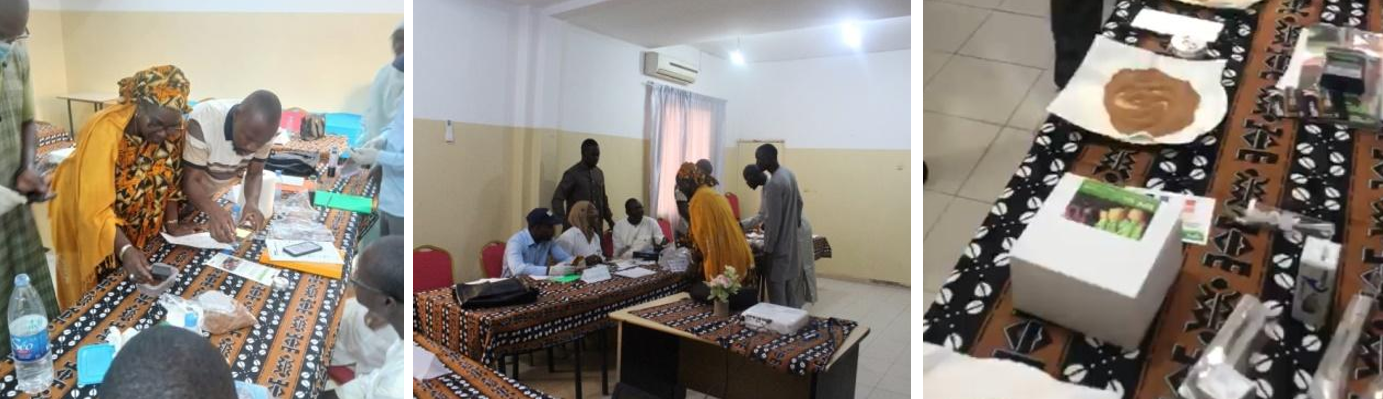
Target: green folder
345 202
567 278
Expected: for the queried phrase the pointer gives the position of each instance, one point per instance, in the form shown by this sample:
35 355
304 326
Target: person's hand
376 143
374 322
365 156
30 184
252 217
137 266
220 225
593 260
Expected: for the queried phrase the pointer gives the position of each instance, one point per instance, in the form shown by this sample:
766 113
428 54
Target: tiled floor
987 82
885 365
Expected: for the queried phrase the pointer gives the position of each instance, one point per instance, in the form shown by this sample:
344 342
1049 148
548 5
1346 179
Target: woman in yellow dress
119 189
714 231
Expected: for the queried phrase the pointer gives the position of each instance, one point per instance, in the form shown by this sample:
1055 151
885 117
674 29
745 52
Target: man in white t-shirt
227 139
637 232
379 285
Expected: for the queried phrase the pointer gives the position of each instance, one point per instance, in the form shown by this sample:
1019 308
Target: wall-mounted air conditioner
667 68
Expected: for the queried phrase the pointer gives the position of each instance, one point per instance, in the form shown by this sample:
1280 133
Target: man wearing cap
530 251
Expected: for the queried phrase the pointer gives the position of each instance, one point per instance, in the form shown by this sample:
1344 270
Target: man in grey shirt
782 217
583 182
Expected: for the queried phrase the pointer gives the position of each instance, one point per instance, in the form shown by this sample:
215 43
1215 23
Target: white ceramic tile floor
995 169
952 147
947 26
936 203
1014 38
979 89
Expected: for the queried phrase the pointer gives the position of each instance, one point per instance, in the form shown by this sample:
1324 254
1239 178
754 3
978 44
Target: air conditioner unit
668 68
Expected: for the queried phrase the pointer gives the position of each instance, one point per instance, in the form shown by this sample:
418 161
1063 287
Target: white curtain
682 127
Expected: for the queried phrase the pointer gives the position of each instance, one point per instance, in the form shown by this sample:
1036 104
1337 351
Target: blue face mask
398 63
5 50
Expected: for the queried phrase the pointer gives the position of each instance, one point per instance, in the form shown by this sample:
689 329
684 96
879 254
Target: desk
664 361
1323 171
563 313
468 378
287 352
97 101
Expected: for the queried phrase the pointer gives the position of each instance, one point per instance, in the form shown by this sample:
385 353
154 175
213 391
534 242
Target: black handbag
507 292
292 163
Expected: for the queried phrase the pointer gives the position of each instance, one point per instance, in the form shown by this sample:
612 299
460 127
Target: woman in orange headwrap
714 231
115 193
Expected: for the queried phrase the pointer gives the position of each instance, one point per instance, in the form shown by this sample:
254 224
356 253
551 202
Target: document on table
244 268
328 255
595 274
635 272
198 240
426 366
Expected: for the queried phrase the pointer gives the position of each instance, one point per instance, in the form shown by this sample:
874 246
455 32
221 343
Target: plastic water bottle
331 162
29 337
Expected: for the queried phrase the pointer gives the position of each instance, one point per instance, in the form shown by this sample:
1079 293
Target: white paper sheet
1082 102
57 156
426 366
635 272
292 180
1176 24
197 240
595 274
244 268
329 254
486 280
283 137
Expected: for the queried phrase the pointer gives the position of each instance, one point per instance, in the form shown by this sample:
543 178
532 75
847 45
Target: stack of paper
327 262
198 240
634 272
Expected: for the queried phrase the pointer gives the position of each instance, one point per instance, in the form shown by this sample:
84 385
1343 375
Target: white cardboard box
1092 281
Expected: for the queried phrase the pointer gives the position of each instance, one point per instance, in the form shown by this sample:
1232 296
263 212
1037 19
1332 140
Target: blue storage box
346 125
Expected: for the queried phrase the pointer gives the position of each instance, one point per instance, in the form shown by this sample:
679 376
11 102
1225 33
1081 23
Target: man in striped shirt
227 139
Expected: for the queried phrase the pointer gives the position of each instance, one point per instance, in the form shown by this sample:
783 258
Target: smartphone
161 271
302 248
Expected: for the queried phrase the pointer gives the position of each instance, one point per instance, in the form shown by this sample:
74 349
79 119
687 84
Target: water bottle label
29 348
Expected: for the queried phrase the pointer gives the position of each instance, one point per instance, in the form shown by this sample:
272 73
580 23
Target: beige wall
322 62
858 199
49 65
479 188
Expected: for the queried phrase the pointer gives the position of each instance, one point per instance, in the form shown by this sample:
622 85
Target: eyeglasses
356 282
21 36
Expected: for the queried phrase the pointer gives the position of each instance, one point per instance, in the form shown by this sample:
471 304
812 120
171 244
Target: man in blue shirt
531 250
390 159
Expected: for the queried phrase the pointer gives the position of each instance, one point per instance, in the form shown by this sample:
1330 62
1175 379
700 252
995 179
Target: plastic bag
675 259
295 219
223 313
182 313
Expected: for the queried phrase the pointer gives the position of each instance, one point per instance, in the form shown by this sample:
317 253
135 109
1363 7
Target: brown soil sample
1147 100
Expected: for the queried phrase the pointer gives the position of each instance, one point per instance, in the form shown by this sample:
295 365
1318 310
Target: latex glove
375 143
365 156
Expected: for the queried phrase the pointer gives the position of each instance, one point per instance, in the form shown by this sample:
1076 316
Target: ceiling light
737 57
851 35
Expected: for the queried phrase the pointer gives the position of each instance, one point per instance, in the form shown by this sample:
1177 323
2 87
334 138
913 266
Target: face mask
5 50
398 63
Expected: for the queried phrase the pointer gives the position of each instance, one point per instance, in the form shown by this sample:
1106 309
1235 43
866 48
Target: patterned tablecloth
468 378
562 313
287 352
1326 171
808 351
820 247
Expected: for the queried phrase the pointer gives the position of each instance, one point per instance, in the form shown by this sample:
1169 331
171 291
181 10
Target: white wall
464 60
275 6
850 102
490 62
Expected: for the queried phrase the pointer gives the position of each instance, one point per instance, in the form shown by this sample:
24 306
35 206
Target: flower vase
722 308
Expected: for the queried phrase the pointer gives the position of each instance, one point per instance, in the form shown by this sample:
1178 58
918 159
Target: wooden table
664 362
287 351
97 101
